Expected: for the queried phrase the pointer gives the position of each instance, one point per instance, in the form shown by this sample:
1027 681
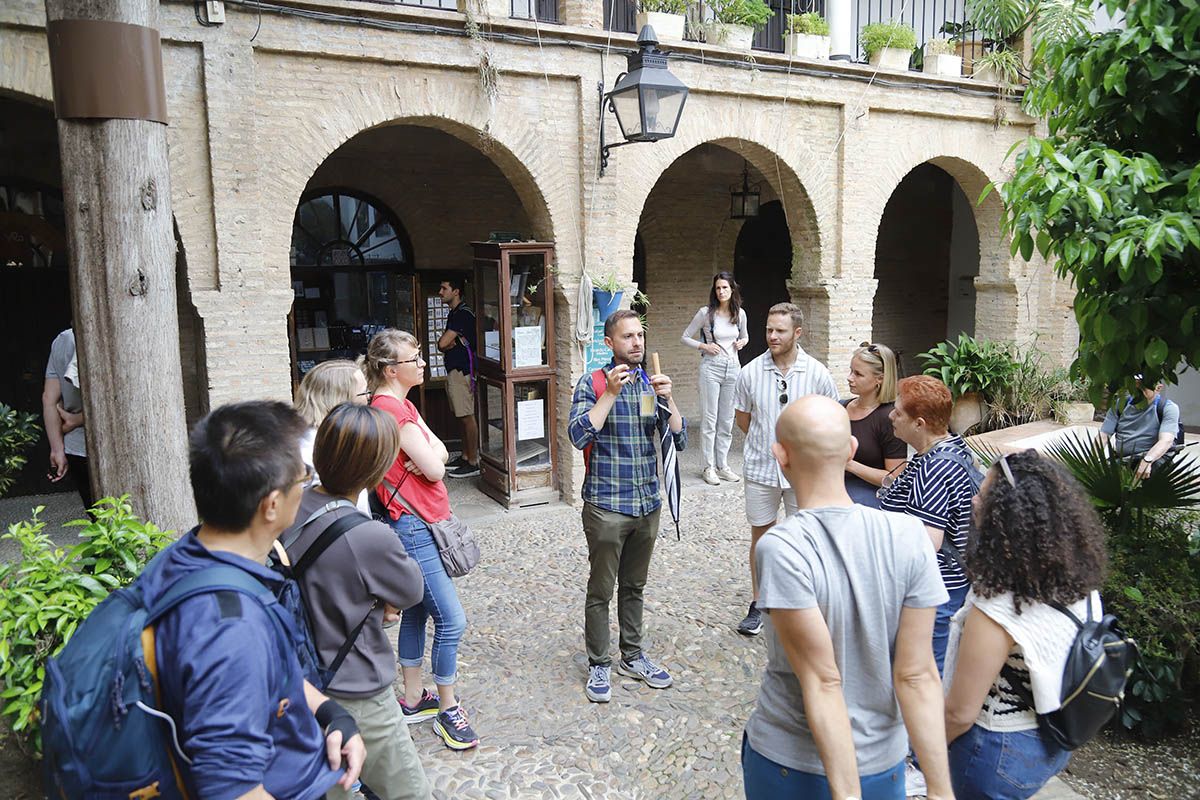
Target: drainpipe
841 32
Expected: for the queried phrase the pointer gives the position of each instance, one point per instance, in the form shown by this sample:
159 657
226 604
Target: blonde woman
414 484
326 385
872 381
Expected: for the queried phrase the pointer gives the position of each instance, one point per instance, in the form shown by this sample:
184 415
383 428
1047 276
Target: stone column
841 31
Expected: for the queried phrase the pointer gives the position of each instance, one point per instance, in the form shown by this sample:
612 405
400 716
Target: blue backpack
104 734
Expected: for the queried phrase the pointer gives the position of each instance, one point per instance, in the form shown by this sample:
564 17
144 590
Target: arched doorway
926 262
762 261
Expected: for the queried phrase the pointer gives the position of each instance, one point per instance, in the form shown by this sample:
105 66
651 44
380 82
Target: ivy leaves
1113 193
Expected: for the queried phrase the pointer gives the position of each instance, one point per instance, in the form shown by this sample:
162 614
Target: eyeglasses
412 360
783 391
1007 470
306 478
363 394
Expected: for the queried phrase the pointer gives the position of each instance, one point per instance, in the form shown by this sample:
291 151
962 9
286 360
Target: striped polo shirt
938 492
759 390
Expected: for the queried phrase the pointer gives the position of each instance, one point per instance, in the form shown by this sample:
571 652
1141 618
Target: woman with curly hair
1039 547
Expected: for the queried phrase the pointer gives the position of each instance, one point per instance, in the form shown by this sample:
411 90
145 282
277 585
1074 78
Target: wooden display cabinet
515 385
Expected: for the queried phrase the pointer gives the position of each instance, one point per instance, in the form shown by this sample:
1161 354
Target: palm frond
1110 481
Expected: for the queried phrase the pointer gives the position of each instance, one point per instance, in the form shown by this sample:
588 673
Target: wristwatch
1148 459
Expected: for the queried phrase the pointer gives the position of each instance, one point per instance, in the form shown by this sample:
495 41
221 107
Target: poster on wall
597 354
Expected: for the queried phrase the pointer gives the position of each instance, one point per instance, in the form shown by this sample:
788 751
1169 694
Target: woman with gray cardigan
718 331
348 587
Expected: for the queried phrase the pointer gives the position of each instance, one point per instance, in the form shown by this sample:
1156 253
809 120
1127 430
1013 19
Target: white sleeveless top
1043 637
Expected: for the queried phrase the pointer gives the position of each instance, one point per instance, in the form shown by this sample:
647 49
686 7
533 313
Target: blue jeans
766 780
440 602
988 765
941 626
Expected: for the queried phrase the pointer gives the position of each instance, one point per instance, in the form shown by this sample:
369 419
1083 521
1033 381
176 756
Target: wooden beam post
116 198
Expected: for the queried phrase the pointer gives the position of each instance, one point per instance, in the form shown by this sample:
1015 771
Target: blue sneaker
599 688
645 670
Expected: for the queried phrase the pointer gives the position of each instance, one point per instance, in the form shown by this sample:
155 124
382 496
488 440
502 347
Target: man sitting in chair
1145 426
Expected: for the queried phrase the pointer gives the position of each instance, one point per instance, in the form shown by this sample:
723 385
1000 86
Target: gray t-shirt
60 366
859 568
1137 429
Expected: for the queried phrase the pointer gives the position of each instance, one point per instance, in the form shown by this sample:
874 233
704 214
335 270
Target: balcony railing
927 18
541 10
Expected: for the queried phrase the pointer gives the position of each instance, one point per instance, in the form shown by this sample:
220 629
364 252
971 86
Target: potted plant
999 65
1071 403
807 36
735 22
1004 25
607 290
665 16
974 370
941 58
888 45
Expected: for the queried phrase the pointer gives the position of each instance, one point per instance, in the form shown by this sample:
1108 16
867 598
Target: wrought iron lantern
743 200
647 100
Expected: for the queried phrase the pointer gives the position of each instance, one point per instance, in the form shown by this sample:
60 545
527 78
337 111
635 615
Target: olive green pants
392 769
619 550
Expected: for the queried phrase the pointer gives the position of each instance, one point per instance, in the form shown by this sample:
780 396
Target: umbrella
670 459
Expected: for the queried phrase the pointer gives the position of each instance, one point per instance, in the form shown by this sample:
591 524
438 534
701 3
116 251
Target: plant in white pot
807 36
888 45
942 58
1005 24
666 17
734 22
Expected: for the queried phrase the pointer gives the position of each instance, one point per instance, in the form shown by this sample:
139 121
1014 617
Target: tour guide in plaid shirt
621 499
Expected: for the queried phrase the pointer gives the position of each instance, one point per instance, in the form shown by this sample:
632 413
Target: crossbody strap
397 496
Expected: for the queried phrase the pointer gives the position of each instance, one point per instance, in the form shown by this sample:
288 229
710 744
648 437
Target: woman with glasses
326 385
1039 544
872 381
412 494
721 328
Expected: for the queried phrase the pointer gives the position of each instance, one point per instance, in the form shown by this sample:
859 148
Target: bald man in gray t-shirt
851 594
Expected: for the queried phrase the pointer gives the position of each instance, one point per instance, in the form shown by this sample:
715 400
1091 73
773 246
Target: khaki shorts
762 503
458 389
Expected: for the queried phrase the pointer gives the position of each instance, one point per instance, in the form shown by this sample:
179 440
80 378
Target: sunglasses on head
870 348
1007 470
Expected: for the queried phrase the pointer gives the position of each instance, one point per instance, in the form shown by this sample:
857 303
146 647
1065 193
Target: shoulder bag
454 538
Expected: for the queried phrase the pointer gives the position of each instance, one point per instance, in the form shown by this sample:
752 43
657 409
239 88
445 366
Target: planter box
1074 413
942 64
667 27
807 45
893 58
735 37
968 51
986 74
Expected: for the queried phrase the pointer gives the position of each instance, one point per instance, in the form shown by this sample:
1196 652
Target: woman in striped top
1039 542
935 487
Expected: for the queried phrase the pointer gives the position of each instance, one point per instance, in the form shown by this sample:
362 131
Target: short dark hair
614 319
239 454
457 284
355 447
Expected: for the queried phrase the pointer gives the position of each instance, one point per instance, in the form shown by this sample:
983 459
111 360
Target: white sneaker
914 781
726 474
710 477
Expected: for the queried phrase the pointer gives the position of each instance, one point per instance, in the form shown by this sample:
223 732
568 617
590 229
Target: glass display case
516 378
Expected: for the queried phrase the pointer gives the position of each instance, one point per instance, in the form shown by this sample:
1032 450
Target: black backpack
1093 685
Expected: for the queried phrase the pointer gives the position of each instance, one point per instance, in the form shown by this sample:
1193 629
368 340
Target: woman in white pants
718 331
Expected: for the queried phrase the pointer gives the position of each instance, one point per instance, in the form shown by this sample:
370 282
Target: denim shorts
1010 765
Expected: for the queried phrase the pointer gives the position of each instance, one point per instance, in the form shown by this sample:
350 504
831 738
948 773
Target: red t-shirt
428 498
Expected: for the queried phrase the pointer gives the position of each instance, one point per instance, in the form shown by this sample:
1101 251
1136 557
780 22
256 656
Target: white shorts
762 503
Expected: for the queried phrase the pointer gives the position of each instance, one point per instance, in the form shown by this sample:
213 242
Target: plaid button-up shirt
622 473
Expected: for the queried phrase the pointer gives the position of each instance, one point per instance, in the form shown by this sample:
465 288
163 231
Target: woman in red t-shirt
414 484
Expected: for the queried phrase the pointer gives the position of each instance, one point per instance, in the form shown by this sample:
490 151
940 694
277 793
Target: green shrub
1153 587
664 6
754 13
810 23
970 365
47 593
940 46
1026 394
878 35
18 430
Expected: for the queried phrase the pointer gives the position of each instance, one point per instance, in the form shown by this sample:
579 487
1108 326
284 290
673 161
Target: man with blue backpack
188 684
1145 428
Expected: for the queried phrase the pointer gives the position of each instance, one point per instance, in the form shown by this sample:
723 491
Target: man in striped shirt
619 426
764 388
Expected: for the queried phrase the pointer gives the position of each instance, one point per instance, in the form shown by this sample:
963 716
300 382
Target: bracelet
332 717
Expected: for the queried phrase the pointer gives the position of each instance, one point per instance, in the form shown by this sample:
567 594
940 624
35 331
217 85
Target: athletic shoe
914 781
726 474
646 670
465 470
752 625
455 462
426 708
455 730
710 477
599 686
